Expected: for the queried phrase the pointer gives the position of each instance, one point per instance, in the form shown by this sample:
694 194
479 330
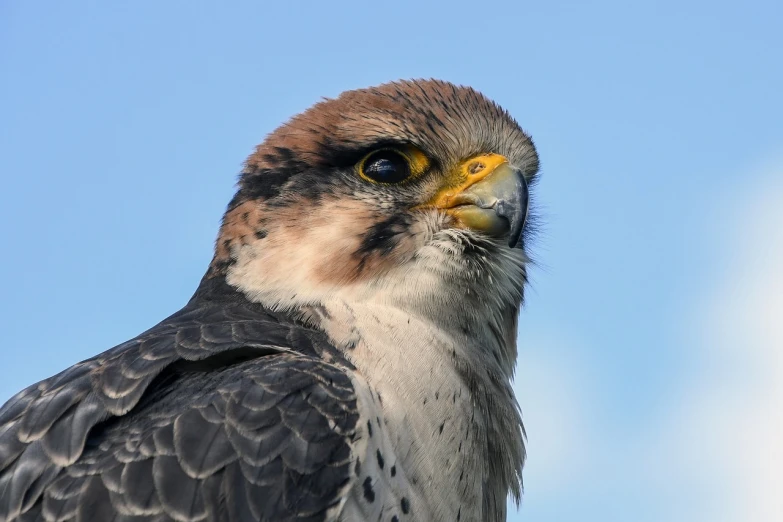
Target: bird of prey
347 355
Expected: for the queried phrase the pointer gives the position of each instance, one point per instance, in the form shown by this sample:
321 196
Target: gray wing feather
215 414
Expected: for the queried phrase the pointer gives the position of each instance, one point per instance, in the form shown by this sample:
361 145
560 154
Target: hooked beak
491 197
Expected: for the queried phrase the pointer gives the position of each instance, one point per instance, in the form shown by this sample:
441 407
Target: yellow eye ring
389 165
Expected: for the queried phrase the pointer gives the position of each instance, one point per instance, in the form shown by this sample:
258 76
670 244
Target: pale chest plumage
423 453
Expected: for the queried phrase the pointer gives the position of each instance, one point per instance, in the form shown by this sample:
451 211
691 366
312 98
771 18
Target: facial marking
241 226
308 220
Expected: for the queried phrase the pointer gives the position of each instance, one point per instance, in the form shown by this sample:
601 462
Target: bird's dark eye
385 166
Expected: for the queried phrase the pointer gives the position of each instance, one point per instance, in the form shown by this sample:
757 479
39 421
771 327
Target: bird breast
423 438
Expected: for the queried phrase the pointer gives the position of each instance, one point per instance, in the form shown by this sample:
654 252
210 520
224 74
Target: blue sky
650 351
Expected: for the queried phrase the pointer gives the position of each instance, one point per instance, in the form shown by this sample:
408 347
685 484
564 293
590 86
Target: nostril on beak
476 167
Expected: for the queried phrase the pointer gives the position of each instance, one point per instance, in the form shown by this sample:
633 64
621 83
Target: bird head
412 192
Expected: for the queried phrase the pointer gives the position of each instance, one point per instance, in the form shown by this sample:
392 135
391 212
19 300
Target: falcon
347 356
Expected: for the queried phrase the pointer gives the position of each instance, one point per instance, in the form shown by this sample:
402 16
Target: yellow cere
466 174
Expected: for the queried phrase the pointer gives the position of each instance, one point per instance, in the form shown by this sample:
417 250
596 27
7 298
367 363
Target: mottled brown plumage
347 355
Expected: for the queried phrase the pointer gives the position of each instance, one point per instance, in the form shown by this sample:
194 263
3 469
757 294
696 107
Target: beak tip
514 208
515 233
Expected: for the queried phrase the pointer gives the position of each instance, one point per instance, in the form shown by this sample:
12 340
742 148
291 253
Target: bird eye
385 166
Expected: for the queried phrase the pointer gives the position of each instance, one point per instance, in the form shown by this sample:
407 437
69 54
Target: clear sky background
651 346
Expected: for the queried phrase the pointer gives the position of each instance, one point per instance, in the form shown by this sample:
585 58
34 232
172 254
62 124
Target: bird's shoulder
220 412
